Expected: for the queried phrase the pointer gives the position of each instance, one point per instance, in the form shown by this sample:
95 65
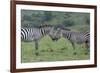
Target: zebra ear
58 29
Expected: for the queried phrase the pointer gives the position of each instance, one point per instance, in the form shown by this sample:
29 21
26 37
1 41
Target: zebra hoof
51 50
74 53
37 54
86 53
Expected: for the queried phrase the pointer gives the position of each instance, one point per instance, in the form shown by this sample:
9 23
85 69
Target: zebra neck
43 32
67 35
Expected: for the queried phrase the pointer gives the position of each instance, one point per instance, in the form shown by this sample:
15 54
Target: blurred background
74 20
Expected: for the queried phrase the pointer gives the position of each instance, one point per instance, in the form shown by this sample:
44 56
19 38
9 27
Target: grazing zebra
74 37
36 33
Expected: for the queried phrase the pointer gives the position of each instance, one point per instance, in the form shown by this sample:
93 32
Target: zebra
36 33
74 36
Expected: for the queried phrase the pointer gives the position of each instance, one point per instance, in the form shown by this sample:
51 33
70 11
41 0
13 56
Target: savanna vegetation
49 50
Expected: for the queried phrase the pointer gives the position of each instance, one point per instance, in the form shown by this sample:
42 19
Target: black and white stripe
36 33
75 37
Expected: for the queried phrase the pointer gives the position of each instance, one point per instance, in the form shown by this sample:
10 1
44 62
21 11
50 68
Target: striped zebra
36 33
74 37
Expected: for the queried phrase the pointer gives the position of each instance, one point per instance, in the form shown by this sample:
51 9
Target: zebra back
30 34
73 36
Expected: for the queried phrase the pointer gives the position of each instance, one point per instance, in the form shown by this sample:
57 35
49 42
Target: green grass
61 51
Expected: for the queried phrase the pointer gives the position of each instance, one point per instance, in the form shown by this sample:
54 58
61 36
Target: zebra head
50 31
55 33
52 34
59 32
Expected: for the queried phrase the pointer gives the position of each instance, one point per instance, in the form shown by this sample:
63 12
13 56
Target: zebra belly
78 40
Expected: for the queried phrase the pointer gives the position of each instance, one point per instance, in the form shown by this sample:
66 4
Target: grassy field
52 51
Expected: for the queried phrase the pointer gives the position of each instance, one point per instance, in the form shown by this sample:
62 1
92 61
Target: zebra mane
41 26
62 27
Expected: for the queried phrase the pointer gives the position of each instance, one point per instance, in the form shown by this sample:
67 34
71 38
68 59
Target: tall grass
49 50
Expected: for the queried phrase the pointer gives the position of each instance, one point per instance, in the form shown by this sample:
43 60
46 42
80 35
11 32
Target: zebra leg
87 45
36 47
73 45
